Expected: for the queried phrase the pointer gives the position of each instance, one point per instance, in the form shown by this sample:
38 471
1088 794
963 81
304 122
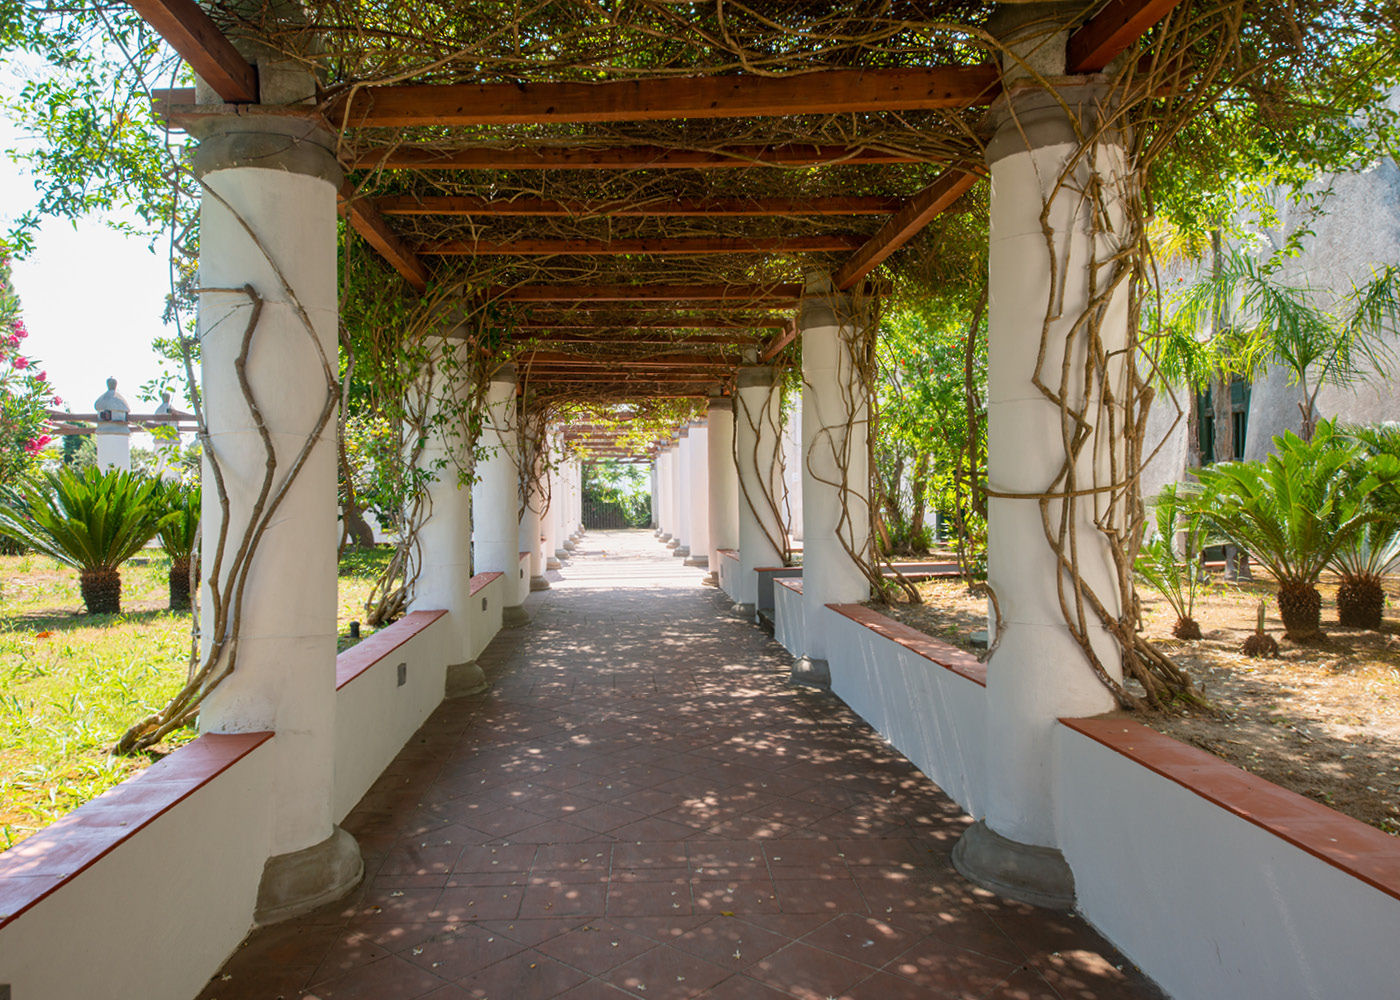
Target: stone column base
514 616
743 610
553 562
673 543
539 583
465 679
297 883
682 552
699 562
711 579
666 537
1036 875
811 673
569 545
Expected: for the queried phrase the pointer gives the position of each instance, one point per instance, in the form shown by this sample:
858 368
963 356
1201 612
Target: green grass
71 683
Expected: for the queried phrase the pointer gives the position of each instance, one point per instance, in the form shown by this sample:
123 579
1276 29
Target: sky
91 298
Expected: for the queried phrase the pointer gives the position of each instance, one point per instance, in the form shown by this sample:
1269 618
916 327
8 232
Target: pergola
638 231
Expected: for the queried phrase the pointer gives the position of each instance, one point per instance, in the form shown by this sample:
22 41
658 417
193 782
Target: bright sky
92 298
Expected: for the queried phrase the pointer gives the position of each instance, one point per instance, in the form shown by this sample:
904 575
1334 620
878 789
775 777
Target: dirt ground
1323 719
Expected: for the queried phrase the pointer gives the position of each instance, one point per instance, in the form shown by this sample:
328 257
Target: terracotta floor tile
806 971
530 975
667 973
642 763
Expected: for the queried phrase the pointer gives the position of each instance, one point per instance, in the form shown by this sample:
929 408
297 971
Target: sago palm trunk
102 591
180 585
1360 601
1300 607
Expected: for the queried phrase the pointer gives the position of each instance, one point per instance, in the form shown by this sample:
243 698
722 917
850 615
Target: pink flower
20 330
13 340
42 377
21 363
58 401
34 445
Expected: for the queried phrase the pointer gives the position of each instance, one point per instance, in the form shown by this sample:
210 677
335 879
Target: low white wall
932 715
1212 906
154 918
787 617
728 574
374 714
488 600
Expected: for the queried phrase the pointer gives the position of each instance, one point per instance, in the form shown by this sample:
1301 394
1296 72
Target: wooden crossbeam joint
376 232
198 40
1112 30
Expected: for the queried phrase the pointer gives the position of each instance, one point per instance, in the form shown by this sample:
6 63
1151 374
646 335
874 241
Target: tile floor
641 807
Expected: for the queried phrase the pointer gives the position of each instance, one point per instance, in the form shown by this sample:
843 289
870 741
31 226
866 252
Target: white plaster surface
285 677
1208 905
684 494
933 716
757 416
193 873
496 493
723 481
788 618
699 539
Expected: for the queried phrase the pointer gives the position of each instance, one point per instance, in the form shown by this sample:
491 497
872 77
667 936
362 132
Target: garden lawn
71 683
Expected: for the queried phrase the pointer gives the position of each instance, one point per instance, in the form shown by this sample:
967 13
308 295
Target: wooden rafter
715 296
376 232
914 215
681 245
580 320
1112 30
417 157
645 361
776 345
200 43
840 91
640 340
660 207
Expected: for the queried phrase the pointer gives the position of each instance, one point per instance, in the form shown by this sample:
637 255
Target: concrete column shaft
757 437
496 493
723 508
699 543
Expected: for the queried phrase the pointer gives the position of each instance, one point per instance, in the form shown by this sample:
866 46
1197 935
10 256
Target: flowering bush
25 392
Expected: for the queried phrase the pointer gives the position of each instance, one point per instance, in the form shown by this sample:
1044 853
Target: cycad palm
1173 575
1375 550
1292 512
94 521
179 534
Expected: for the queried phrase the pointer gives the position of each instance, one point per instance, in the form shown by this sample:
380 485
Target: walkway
641 807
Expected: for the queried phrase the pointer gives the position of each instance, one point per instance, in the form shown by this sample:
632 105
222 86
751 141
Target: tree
179 537
93 521
1375 550
25 393
1292 512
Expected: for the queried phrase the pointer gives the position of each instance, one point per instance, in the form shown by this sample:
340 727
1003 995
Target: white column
835 468
757 434
652 496
443 579
496 493
551 517
684 494
533 516
566 507
700 493
793 468
268 221
663 472
1038 672
723 508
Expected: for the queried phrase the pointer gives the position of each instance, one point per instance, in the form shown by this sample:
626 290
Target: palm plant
1375 549
179 535
1170 573
92 520
1292 512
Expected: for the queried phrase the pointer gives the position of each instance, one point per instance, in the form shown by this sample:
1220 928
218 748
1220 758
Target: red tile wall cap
1349 844
790 582
62 851
948 657
481 580
777 569
729 553
373 649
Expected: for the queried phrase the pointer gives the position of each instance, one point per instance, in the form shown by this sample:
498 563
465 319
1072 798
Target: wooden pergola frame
561 314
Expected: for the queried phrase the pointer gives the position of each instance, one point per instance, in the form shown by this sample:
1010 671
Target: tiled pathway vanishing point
642 807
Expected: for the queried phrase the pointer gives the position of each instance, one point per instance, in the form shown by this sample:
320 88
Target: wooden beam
621 378
683 245
778 343
1113 30
424 157
376 232
580 321
838 91
643 361
740 296
659 207
916 213
200 43
644 340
